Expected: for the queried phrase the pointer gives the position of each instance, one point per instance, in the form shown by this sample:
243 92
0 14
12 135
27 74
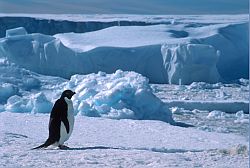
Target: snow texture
119 95
100 142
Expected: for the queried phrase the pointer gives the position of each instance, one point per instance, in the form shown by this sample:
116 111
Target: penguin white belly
64 136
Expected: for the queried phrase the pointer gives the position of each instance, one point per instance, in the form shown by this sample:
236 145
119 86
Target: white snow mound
37 103
119 95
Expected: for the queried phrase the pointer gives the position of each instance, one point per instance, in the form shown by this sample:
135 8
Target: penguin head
68 94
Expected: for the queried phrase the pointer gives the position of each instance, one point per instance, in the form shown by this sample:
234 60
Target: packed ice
119 95
122 95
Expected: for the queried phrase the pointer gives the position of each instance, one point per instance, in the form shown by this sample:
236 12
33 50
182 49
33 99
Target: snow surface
99 142
163 53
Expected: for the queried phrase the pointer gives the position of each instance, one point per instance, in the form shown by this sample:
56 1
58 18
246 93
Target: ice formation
166 53
216 115
7 90
16 32
190 62
240 117
37 103
119 95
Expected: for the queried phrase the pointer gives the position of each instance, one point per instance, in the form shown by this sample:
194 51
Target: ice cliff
163 53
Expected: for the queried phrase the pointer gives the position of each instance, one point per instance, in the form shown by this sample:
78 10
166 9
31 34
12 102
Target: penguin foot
63 147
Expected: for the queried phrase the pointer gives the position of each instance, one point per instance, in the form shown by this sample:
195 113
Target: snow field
104 142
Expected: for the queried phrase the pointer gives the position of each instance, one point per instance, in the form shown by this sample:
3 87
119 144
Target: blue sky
125 6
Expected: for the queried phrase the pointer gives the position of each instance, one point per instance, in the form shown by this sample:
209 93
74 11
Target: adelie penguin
61 121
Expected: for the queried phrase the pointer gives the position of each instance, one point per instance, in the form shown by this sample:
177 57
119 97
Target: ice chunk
240 114
216 115
31 83
119 95
241 117
7 90
16 32
37 103
40 104
176 110
203 85
16 104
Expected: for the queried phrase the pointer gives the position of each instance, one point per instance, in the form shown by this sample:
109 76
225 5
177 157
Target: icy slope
97 142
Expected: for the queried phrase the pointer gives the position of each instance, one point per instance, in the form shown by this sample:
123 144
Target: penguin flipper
65 122
46 144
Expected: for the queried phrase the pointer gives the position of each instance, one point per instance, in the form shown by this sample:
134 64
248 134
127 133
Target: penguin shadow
181 124
92 148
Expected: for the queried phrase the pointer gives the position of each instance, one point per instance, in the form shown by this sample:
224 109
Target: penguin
61 121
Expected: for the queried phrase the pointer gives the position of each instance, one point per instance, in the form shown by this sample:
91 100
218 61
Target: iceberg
164 53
